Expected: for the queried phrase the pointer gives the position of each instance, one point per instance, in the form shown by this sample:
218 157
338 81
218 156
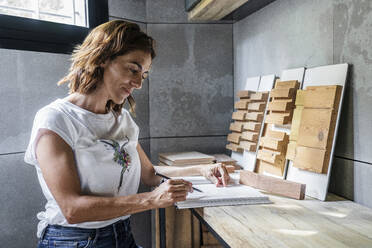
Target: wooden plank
272 157
182 235
281 105
283 93
322 96
315 127
254 116
239 115
300 98
257 106
296 120
291 150
234 147
260 96
287 84
252 126
209 239
273 185
244 93
242 104
311 159
237 126
214 9
272 143
278 118
248 146
265 168
248 135
234 137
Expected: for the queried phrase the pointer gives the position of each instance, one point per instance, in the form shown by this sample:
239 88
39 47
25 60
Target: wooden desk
292 223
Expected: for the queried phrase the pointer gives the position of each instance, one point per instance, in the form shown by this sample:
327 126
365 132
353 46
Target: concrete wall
289 34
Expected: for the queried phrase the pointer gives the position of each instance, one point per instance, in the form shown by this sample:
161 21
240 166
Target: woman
85 146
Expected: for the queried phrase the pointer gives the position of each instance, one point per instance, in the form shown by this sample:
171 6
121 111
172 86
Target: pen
163 176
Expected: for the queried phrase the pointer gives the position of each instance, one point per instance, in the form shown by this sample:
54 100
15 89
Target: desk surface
293 223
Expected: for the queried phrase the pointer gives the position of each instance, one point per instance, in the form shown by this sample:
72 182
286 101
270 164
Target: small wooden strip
234 137
239 115
260 96
273 185
272 157
254 116
244 93
242 104
257 106
278 118
248 146
283 93
234 147
237 126
281 105
300 98
252 126
287 84
291 150
252 136
311 159
322 96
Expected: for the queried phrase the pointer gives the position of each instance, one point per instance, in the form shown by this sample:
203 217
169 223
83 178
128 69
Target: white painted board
317 184
245 159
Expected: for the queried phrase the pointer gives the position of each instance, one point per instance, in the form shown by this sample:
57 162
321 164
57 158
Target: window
48 25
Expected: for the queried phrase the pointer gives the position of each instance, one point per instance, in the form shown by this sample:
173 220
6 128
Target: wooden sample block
234 137
237 126
248 146
234 147
276 134
248 135
300 98
254 116
259 96
272 143
296 120
272 157
273 185
278 118
315 127
239 115
287 84
283 93
252 126
244 93
291 150
281 105
263 167
322 96
311 159
242 104
257 106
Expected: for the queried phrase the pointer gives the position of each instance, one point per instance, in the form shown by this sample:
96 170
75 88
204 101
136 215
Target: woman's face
124 74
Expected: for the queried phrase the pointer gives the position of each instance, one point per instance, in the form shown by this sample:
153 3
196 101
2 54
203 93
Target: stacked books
185 158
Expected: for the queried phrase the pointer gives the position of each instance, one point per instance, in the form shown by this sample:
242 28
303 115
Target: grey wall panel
191 80
168 11
128 9
141 97
21 199
28 82
353 44
208 145
352 180
285 34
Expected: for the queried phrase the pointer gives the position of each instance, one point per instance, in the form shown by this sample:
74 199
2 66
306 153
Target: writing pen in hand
164 176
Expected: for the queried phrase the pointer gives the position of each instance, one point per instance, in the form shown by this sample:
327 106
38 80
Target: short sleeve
54 120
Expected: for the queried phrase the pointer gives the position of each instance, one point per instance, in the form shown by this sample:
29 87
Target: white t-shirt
100 143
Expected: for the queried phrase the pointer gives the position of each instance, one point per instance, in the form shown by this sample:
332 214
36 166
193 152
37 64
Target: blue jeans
117 235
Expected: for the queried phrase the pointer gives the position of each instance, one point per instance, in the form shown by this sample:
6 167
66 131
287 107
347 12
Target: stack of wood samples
312 137
184 158
247 121
271 154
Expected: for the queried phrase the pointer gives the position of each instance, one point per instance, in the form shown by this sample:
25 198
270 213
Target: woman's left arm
216 173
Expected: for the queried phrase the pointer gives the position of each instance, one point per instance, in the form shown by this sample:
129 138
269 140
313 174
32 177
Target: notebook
233 194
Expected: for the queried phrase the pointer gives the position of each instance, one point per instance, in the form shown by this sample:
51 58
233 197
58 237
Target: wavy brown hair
105 42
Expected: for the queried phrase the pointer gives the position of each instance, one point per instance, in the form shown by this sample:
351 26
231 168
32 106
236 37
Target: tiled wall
290 34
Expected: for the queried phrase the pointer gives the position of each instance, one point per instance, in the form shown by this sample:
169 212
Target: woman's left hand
216 173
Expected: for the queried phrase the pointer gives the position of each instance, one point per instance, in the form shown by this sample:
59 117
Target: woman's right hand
170 192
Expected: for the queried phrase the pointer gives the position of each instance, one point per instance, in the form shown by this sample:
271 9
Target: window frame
43 36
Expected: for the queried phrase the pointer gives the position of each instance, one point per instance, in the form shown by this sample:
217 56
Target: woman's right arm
58 167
